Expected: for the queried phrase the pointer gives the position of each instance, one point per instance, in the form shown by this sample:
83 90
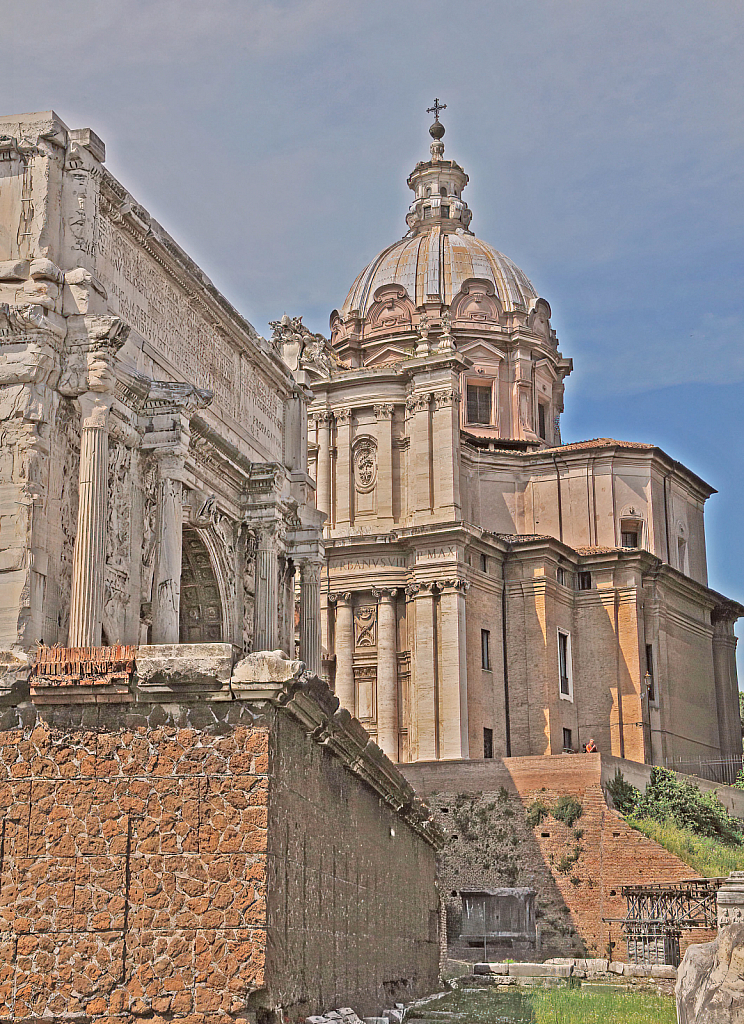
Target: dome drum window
631 530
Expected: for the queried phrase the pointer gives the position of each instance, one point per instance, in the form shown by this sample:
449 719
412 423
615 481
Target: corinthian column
344 649
310 615
166 589
88 563
266 630
387 674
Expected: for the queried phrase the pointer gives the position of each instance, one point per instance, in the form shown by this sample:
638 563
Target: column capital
311 570
341 598
385 593
450 397
384 411
94 409
322 418
170 461
343 416
458 584
417 403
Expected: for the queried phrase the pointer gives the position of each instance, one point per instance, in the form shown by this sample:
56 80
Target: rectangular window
486 648
445 211
564 665
561 577
567 741
488 742
584 580
629 539
427 212
541 418
484 563
650 673
479 404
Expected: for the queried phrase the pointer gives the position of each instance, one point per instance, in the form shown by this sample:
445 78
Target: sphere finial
437 129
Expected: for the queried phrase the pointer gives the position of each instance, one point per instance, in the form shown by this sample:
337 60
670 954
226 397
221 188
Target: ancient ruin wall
132 862
352 905
577 871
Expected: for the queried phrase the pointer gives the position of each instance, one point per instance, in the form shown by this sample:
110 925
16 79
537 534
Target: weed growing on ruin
536 813
567 809
708 857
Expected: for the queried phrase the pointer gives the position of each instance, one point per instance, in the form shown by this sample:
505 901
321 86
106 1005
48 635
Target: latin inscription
143 295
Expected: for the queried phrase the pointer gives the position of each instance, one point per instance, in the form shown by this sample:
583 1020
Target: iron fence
723 770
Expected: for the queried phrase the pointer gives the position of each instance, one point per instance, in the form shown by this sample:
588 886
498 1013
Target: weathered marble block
175 671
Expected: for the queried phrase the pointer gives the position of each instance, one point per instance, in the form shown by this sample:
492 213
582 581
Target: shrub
624 796
536 813
668 797
567 809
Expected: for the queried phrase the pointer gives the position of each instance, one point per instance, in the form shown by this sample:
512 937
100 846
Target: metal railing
723 770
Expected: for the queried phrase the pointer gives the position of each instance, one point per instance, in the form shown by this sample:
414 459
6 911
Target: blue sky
604 141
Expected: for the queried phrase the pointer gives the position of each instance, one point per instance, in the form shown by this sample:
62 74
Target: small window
567 741
650 681
486 648
488 742
560 576
584 580
445 211
479 404
427 212
484 563
443 190
629 538
564 663
541 421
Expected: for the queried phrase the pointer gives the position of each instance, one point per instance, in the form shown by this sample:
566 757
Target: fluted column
166 587
310 615
266 615
387 673
323 475
89 555
344 650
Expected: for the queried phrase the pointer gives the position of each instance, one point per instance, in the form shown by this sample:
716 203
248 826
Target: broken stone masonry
206 842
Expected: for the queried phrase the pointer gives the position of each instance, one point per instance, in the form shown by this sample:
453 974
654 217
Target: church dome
433 264
439 253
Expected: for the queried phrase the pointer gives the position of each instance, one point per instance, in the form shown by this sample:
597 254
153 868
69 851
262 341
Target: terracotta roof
598 442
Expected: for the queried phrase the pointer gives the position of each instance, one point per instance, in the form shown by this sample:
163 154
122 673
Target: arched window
443 190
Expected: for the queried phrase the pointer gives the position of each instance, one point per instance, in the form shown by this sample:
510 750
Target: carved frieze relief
365 626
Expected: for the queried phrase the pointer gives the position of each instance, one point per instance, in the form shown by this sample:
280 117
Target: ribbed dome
433 263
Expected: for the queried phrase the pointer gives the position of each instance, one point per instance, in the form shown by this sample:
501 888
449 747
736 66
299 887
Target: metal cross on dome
436 108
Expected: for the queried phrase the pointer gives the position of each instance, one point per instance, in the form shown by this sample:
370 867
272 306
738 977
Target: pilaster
310 641
387 672
453 700
266 630
344 650
424 674
323 474
446 452
420 455
344 512
384 418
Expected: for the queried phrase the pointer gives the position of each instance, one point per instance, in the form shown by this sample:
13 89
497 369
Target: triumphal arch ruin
153 480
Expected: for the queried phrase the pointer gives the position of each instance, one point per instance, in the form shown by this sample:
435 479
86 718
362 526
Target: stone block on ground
540 970
489 968
664 971
616 967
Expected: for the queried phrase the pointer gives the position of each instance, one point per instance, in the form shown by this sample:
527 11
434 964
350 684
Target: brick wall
352 901
576 871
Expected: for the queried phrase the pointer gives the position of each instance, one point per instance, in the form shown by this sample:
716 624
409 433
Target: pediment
477 302
480 350
391 310
387 354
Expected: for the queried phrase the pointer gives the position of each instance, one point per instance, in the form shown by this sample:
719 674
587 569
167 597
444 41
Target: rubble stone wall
132 862
352 909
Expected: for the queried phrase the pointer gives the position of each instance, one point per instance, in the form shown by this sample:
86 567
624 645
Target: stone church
489 590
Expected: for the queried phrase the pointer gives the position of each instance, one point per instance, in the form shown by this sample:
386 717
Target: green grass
556 1006
706 856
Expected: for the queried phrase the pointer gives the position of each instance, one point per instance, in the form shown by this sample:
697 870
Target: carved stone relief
365 626
364 455
365 682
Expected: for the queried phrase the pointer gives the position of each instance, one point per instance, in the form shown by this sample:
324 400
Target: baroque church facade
489 590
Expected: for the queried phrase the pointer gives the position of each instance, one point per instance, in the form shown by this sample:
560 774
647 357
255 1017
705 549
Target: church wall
485 687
